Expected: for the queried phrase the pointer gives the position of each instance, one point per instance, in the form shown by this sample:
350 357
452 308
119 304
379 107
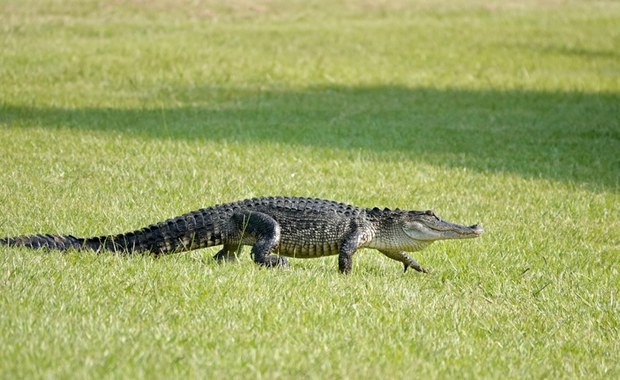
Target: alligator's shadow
573 137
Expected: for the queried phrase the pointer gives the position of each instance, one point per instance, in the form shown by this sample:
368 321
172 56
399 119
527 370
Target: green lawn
117 114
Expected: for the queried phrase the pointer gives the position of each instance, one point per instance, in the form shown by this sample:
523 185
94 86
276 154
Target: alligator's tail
183 233
61 242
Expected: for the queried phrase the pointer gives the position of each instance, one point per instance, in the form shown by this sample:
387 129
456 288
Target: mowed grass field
118 114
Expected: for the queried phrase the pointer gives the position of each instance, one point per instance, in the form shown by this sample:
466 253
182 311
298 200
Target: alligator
276 227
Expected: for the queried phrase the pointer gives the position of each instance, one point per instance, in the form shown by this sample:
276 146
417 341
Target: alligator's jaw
473 231
449 230
428 226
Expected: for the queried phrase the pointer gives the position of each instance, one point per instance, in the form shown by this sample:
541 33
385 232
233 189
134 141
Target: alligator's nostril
477 228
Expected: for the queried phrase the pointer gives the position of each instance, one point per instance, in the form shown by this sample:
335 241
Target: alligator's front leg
266 231
405 259
356 239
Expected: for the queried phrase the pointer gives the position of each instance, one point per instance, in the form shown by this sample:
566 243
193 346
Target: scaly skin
287 226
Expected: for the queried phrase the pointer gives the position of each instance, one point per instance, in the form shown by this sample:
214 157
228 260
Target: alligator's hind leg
266 231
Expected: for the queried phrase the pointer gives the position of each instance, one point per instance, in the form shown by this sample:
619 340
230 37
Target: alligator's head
426 226
410 231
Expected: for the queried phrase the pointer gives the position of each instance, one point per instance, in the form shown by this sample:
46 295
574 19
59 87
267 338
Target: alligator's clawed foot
225 256
416 267
275 261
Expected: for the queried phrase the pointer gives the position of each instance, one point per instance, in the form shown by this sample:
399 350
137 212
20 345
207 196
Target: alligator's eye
431 213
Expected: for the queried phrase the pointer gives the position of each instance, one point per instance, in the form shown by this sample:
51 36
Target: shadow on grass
572 137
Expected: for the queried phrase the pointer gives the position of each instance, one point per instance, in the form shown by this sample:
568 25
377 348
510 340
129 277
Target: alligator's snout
477 229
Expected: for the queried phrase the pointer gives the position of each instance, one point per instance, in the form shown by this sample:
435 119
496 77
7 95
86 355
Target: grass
114 115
